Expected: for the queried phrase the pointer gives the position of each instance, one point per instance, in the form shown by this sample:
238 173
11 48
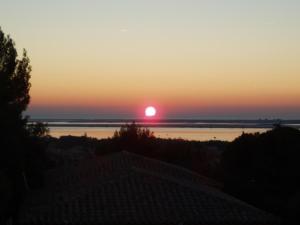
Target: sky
206 59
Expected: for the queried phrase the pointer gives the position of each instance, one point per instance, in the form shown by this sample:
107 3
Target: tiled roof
124 188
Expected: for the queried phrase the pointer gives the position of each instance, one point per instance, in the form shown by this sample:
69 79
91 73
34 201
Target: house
125 188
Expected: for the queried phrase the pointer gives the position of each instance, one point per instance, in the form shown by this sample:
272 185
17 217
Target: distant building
124 188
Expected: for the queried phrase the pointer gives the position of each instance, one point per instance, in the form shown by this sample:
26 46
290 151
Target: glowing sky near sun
189 58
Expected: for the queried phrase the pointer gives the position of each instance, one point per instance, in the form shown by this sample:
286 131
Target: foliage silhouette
132 137
263 169
22 155
38 129
202 157
131 133
14 83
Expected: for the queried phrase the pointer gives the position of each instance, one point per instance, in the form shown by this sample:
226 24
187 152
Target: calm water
200 134
201 130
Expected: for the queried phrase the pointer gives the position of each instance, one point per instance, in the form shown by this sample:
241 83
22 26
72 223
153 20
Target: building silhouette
125 188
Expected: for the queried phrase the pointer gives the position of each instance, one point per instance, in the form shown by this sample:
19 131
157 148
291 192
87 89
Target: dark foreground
105 180
126 188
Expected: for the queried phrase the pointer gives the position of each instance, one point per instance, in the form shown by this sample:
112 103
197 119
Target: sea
198 130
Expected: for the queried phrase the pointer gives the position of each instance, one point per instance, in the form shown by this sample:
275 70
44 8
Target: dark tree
14 84
132 137
264 169
132 133
14 99
38 129
21 156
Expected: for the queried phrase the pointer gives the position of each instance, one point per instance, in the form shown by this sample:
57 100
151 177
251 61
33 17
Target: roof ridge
204 188
188 171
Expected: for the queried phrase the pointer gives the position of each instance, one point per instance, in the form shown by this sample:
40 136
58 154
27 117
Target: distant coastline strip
171 123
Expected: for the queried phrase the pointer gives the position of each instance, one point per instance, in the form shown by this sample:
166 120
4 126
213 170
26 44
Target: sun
150 111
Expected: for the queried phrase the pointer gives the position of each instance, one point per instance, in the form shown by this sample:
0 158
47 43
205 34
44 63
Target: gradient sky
189 58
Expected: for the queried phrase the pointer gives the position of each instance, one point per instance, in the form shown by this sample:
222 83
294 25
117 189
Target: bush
263 169
132 137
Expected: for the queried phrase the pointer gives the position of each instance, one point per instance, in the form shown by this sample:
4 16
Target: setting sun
150 111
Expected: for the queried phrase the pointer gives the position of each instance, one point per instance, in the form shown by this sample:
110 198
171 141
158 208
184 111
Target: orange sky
192 57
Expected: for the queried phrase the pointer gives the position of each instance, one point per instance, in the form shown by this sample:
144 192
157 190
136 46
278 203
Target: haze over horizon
190 59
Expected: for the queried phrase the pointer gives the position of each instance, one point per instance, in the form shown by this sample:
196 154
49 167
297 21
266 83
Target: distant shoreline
175 123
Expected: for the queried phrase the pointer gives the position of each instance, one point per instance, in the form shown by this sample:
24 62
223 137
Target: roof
125 188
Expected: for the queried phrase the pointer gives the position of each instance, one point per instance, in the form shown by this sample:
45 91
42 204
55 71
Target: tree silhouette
14 83
264 170
21 154
132 133
132 137
38 129
14 99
